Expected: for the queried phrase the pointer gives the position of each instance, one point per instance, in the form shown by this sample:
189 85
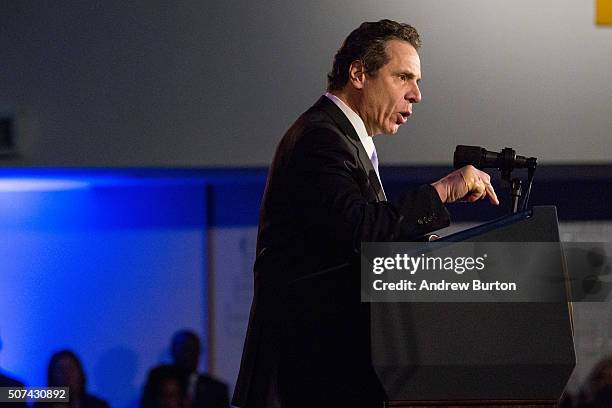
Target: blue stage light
27 184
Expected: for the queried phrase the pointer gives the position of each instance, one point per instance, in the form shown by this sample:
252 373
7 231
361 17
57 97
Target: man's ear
357 74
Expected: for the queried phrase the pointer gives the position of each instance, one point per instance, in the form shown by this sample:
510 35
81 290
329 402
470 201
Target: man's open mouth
403 117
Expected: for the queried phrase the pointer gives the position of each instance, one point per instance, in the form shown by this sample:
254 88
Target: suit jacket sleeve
339 197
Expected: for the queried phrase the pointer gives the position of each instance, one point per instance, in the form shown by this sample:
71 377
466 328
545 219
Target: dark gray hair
367 43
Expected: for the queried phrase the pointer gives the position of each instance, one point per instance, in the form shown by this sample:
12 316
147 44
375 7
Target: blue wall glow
109 265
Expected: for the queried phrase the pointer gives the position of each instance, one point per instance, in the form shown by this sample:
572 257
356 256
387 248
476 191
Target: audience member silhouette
164 388
7 381
202 390
65 370
597 392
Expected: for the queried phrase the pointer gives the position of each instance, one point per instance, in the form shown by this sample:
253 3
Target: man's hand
466 184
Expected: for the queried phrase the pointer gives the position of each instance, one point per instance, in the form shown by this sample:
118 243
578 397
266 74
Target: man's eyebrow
409 75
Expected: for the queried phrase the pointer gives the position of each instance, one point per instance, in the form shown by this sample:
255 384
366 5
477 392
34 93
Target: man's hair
368 43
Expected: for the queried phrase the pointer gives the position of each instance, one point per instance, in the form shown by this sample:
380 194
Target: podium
477 354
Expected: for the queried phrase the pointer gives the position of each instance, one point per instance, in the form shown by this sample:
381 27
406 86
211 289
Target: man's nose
414 94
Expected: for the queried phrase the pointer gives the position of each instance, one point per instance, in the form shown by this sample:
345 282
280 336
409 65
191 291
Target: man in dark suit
307 343
202 391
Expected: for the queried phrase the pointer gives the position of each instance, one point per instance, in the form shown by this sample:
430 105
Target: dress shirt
359 126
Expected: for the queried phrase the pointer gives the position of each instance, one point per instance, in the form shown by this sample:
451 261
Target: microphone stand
516 184
531 172
516 192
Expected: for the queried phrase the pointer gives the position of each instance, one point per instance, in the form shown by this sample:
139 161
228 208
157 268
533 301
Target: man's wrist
441 190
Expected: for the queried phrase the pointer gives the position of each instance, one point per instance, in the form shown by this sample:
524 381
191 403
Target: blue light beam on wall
18 184
104 263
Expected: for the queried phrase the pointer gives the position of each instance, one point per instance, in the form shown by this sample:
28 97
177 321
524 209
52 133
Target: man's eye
404 77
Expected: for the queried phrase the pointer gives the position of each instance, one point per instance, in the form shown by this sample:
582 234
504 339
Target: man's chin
393 129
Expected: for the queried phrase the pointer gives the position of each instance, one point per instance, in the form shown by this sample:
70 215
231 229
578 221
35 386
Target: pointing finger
491 193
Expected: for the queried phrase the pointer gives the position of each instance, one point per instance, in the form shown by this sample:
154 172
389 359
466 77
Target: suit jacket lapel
329 107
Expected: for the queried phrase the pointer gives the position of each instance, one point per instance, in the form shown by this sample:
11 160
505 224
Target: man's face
388 95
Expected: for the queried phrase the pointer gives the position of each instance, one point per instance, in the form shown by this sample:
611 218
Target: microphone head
465 155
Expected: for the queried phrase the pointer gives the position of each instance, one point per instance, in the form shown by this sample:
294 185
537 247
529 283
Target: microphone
506 160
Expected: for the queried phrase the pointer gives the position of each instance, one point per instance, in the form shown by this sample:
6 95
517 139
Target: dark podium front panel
477 351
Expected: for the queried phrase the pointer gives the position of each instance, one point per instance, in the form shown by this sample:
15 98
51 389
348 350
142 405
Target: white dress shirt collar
359 126
357 122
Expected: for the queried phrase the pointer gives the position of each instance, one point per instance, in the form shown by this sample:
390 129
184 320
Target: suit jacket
210 393
87 401
307 343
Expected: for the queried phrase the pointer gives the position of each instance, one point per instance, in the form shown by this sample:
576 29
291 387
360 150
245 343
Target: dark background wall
203 83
